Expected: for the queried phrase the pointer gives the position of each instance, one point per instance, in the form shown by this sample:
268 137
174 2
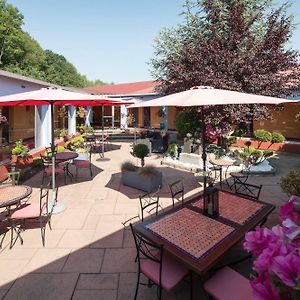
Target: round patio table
65 156
13 194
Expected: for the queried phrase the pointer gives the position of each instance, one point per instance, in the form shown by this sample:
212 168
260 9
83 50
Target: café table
13 194
66 156
199 241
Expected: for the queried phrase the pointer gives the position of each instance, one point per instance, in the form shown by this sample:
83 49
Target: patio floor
89 254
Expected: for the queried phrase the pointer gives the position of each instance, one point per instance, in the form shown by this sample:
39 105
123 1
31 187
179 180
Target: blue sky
110 40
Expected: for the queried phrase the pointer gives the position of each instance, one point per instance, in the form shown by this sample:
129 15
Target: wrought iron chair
246 189
242 176
228 284
47 165
148 203
84 163
177 191
160 269
40 212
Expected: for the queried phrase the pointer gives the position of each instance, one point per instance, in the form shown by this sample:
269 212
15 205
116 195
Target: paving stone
43 286
84 260
95 295
98 281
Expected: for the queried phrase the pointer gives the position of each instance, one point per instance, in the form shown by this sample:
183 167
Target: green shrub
173 149
277 137
232 140
141 151
187 122
37 162
75 143
128 166
262 135
20 149
254 156
290 183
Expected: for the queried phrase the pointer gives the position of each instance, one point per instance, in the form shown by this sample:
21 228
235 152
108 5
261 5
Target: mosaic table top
235 208
13 193
191 231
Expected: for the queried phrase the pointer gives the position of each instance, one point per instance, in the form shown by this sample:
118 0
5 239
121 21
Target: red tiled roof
142 87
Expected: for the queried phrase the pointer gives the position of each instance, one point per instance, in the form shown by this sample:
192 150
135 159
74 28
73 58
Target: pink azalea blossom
258 240
265 259
263 290
287 268
292 229
289 211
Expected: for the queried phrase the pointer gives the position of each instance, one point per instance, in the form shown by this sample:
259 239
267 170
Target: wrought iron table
199 241
13 194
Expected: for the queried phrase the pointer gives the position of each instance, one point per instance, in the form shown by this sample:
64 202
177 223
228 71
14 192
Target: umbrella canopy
203 96
55 96
46 96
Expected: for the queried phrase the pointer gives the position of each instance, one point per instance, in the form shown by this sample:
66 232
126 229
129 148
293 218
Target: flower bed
277 252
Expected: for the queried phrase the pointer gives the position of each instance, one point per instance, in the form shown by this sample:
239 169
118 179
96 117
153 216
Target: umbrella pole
102 131
55 207
203 145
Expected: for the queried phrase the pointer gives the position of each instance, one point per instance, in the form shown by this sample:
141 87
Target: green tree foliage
228 44
187 121
21 54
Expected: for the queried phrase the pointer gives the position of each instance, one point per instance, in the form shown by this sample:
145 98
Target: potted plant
147 178
290 183
140 151
20 155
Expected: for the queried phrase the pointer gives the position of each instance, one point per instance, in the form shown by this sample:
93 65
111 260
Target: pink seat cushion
172 271
81 163
27 210
58 170
227 284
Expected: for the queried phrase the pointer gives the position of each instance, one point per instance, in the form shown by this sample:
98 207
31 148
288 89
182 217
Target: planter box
144 183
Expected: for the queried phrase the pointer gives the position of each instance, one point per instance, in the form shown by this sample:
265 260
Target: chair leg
91 171
76 173
137 286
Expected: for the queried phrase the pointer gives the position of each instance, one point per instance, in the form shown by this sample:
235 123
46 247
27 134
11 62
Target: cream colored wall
155 120
283 121
172 113
141 117
21 122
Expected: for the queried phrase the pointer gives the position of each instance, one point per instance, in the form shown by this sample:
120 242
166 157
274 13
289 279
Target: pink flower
287 269
263 290
258 240
265 259
290 210
292 229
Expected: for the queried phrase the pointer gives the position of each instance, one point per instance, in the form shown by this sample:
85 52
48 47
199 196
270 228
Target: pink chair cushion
228 284
27 210
81 163
172 271
58 170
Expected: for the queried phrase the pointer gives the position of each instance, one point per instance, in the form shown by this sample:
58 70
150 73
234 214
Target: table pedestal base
58 208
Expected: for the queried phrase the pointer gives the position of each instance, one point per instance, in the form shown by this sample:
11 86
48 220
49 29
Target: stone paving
88 253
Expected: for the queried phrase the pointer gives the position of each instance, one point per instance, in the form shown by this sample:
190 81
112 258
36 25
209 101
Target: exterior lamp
211 201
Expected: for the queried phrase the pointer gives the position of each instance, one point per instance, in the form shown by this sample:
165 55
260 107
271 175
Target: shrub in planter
262 135
173 150
147 178
75 143
290 183
277 137
140 151
20 149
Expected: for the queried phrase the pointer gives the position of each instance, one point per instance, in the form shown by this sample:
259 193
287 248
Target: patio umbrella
55 96
205 96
